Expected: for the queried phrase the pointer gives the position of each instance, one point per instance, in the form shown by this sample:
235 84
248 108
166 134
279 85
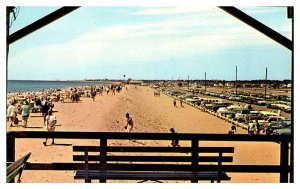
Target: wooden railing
285 167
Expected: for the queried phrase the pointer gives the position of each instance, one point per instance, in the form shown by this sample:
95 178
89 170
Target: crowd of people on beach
26 103
32 102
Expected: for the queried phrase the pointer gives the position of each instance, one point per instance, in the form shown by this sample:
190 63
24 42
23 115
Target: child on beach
232 130
129 125
50 126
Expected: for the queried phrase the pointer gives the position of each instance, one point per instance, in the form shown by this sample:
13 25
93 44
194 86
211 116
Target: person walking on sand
181 101
251 129
175 141
45 109
174 103
25 113
93 94
50 126
232 130
257 125
129 125
12 113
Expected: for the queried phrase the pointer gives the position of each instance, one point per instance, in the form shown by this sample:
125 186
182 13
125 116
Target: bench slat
16 168
153 158
17 163
131 175
154 149
14 173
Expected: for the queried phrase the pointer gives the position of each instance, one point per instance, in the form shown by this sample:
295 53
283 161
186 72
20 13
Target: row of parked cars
281 102
272 122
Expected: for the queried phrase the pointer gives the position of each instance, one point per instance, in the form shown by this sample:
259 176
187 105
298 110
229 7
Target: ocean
32 85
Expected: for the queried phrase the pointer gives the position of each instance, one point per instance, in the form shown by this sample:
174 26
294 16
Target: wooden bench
152 163
16 168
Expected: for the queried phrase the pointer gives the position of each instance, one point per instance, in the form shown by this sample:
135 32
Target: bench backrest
153 158
16 168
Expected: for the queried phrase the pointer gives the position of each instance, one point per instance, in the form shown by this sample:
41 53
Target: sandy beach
150 114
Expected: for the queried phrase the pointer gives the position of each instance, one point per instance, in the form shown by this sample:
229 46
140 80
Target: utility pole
204 81
236 80
266 81
188 81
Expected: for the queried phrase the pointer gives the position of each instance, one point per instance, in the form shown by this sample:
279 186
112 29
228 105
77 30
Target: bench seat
147 175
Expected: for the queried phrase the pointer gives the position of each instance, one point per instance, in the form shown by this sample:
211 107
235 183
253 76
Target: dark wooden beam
259 26
40 23
149 136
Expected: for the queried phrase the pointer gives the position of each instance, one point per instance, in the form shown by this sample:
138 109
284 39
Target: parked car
284 131
241 115
265 114
270 119
278 125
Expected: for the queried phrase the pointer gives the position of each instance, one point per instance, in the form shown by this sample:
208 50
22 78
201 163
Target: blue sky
149 43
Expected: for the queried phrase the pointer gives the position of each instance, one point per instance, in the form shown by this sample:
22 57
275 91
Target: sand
150 114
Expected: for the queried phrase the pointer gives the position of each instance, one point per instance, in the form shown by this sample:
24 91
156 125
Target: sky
176 42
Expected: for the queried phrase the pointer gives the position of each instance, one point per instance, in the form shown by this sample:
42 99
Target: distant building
135 82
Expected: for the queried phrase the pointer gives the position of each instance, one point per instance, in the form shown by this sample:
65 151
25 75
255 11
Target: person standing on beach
174 103
12 113
175 141
25 113
45 109
232 130
129 125
93 94
251 129
50 126
181 101
257 125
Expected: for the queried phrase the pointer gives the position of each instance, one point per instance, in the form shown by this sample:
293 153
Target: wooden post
292 162
284 161
103 153
195 154
86 165
219 167
10 148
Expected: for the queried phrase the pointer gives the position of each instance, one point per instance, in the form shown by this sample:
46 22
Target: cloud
195 31
173 10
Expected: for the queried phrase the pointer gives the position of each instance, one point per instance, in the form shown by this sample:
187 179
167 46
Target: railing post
86 165
284 161
103 153
292 162
219 167
195 154
10 149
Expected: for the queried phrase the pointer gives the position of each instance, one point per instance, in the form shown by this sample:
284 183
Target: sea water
14 86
